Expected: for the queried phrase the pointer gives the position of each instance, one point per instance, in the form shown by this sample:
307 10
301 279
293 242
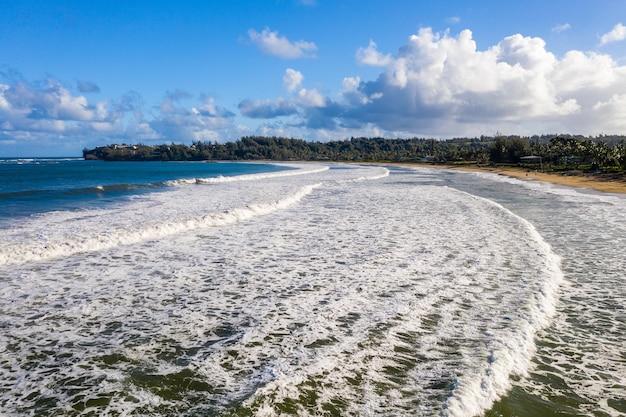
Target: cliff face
89 155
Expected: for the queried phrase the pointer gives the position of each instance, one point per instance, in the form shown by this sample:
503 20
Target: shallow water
580 365
331 290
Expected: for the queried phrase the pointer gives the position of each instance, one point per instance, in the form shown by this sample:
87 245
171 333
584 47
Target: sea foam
356 291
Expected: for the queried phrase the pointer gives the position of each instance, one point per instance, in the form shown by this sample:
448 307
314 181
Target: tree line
555 151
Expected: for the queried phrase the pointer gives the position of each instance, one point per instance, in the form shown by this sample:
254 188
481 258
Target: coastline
599 182
606 183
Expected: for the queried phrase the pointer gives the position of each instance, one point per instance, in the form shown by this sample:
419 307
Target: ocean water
32 186
309 289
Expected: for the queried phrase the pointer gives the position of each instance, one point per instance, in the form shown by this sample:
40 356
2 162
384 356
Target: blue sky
76 74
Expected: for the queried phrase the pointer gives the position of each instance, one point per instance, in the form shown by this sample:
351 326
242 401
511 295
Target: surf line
474 394
121 237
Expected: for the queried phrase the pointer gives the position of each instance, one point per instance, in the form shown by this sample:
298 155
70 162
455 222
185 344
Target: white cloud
292 80
370 56
351 84
301 102
561 28
311 98
195 123
438 84
50 106
46 112
529 53
612 112
352 94
588 72
451 77
267 109
271 44
5 105
617 34
442 85
454 20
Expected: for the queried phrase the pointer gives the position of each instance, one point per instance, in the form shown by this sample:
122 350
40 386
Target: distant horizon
81 75
40 157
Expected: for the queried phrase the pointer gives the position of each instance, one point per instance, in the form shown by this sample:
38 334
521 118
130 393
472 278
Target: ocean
308 289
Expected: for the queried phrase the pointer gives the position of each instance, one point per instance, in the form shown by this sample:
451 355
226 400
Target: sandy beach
599 182
607 183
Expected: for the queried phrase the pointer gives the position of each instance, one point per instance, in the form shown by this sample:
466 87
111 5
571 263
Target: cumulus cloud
292 80
301 101
440 77
370 56
271 44
49 114
267 109
204 122
351 84
435 84
50 119
49 106
618 33
352 94
311 98
438 84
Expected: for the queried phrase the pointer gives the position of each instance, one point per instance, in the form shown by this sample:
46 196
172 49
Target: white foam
585 336
511 351
298 170
371 177
113 237
377 297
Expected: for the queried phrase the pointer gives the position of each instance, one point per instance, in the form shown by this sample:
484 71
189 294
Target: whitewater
321 289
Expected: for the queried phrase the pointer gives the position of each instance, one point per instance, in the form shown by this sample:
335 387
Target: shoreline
605 183
599 182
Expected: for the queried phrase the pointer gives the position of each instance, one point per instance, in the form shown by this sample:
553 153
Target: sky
77 74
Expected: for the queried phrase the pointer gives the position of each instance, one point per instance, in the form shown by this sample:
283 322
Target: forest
553 152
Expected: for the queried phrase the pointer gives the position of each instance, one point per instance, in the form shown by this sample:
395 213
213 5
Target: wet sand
600 182
607 183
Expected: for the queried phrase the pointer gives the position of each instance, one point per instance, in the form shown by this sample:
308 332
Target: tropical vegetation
553 152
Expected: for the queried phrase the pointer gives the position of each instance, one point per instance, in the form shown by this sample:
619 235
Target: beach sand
599 182
607 183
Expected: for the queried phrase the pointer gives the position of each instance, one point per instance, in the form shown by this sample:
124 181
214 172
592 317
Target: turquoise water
31 186
316 289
